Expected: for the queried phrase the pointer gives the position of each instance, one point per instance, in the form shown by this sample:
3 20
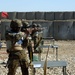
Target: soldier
16 42
34 34
26 30
40 32
37 38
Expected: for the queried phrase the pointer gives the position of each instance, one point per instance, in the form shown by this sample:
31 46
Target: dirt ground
66 52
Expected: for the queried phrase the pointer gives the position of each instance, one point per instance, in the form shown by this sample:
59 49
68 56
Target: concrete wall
68 15
0 30
47 25
60 30
12 15
30 15
21 15
59 15
74 30
60 25
5 25
63 30
41 15
0 15
73 15
49 15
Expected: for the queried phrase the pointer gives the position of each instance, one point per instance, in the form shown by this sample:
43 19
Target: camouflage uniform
15 40
37 38
29 46
40 32
33 34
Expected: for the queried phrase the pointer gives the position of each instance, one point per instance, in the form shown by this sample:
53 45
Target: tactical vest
14 39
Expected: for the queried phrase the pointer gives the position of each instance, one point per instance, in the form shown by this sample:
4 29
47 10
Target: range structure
60 25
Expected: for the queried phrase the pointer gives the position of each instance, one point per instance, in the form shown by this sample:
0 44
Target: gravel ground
66 52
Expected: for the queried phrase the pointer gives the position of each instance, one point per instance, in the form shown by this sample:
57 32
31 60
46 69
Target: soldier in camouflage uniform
37 38
33 34
40 30
16 42
26 30
40 34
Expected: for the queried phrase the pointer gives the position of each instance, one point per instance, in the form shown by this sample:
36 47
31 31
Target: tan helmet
34 25
25 24
15 23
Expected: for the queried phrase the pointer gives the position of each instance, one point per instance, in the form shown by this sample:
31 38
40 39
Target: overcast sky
37 5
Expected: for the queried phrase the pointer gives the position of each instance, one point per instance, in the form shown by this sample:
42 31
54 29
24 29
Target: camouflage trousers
36 45
30 52
15 60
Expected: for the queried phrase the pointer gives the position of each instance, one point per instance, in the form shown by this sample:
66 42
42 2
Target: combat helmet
38 25
15 24
25 24
34 25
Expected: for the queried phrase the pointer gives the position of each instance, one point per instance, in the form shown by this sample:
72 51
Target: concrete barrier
73 30
63 30
0 26
39 15
21 15
68 15
59 24
59 16
5 25
49 15
0 15
12 15
0 30
68 30
73 15
30 15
